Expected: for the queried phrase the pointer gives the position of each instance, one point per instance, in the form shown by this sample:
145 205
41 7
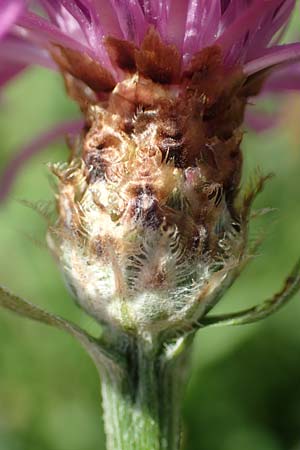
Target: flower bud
147 235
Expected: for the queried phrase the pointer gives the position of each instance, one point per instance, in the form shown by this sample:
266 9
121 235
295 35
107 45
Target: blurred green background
244 388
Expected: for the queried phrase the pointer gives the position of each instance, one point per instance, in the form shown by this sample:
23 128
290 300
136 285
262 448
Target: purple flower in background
10 12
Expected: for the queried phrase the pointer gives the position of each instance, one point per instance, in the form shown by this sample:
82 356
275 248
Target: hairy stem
142 403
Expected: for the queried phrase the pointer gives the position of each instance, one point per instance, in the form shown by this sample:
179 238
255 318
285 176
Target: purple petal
105 16
156 14
274 56
15 50
64 18
131 19
45 32
10 11
152 10
274 21
73 28
176 22
202 24
224 5
35 146
236 38
88 22
83 16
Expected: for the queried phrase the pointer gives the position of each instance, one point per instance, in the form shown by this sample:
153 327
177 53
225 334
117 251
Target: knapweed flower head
149 230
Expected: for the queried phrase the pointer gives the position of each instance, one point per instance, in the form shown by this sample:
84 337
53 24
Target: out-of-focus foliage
244 390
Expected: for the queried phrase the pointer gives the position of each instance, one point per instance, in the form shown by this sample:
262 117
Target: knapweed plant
152 222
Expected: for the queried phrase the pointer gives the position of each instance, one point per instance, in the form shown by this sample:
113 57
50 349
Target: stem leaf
260 311
99 352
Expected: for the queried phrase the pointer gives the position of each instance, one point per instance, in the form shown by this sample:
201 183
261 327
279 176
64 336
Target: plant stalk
141 403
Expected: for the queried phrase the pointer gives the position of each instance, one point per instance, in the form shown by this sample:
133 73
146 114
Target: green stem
141 403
